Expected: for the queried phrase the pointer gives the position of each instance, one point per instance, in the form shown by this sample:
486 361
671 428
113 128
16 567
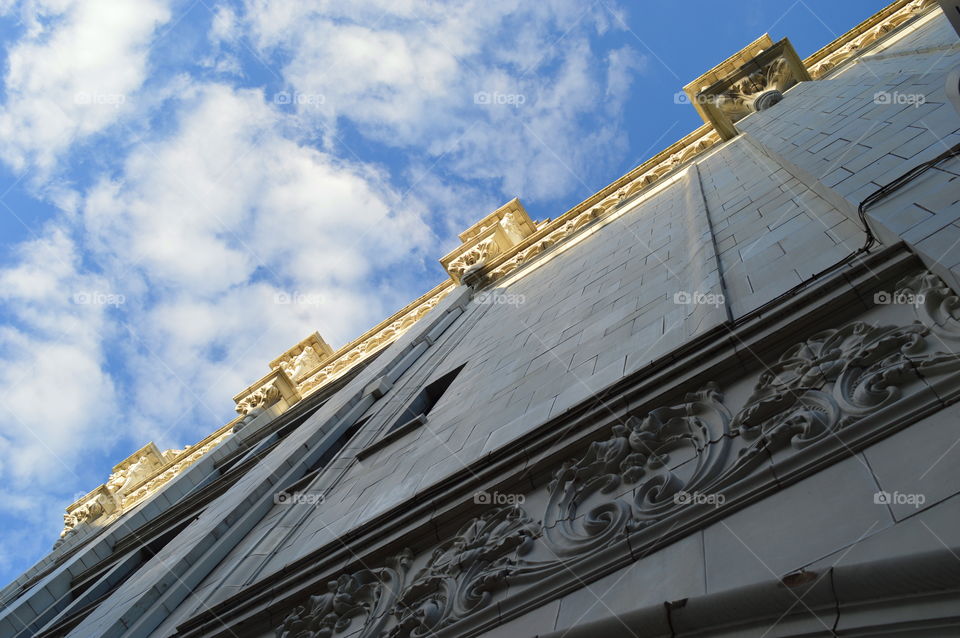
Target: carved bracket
261 395
303 359
493 235
763 71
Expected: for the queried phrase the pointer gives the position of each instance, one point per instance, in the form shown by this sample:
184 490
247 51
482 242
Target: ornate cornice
304 358
492 236
854 41
754 79
132 481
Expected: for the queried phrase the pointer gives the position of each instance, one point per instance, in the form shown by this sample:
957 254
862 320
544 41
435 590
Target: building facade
717 398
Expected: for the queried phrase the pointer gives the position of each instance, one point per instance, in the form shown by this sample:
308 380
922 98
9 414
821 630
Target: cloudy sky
172 171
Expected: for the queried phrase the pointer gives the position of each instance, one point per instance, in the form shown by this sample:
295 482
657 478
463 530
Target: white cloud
73 74
226 205
59 402
224 32
411 75
211 226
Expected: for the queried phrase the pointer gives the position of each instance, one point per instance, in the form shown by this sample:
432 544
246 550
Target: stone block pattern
773 232
868 123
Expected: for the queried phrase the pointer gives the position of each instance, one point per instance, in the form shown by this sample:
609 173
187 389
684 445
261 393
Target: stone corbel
85 510
276 386
493 235
751 80
134 469
300 361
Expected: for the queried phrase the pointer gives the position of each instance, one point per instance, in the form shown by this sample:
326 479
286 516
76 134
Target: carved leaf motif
686 447
935 304
366 594
644 452
463 573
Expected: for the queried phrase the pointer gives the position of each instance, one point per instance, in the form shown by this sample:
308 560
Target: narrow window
421 405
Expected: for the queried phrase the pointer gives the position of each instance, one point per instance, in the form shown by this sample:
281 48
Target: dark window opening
427 398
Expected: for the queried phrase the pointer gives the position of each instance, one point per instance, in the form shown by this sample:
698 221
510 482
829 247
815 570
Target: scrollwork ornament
634 476
368 594
643 453
463 574
935 304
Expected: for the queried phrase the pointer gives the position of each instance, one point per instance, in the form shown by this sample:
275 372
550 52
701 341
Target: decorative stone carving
459 578
304 358
264 393
375 340
852 42
363 598
937 306
110 498
751 80
177 461
463 573
133 480
568 224
86 510
491 236
644 454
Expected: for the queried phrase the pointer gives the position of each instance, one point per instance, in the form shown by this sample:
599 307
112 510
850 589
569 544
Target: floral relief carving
636 476
936 305
462 574
745 95
860 41
363 598
256 401
478 254
672 449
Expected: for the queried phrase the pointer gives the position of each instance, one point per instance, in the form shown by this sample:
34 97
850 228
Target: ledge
394 435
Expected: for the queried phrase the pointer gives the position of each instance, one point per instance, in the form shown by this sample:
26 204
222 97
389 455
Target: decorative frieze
122 490
824 391
460 576
852 43
373 341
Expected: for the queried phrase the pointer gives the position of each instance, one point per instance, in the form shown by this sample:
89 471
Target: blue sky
170 169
